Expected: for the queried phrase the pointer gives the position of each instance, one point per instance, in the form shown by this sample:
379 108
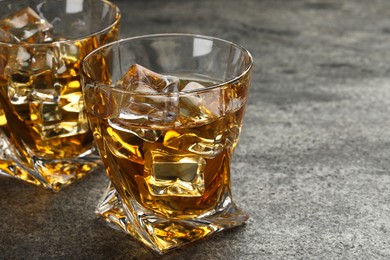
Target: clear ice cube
19 89
201 105
37 93
25 26
174 173
141 79
193 86
149 103
47 113
45 95
28 61
124 125
28 71
55 60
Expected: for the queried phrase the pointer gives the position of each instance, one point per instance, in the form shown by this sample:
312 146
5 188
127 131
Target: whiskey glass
44 135
166 111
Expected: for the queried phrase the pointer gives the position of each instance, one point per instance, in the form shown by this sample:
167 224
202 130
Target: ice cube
19 90
173 173
28 70
54 59
44 105
190 104
28 61
66 59
192 85
140 79
25 26
201 145
125 125
45 95
48 112
21 86
64 68
156 99
201 105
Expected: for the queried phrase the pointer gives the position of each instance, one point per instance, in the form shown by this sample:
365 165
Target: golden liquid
176 170
41 103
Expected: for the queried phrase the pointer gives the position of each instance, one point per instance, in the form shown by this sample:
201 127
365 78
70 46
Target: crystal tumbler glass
44 133
166 112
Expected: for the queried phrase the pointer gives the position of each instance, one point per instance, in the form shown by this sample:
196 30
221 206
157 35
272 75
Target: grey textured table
313 164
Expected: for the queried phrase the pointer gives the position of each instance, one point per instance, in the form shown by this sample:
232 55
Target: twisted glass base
52 174
163 234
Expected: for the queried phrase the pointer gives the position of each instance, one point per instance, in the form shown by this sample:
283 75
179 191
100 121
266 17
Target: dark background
312 167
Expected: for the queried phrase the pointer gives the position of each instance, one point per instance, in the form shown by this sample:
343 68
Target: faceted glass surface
166 135
41 101
154 108
25 26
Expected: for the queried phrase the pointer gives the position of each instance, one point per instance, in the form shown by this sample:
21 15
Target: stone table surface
313 164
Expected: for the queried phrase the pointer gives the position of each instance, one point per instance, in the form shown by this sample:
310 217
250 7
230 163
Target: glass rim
77 39
160 35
